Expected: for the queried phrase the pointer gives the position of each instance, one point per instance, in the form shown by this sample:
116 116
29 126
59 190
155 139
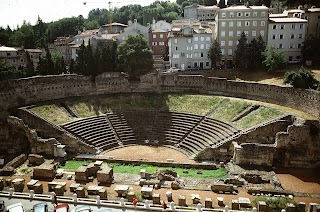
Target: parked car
83 208
2 207
174 69
105 210
18 207
40 207
294 61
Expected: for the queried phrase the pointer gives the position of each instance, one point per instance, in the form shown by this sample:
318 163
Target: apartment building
287 34
189 46
61 45
230 22
200 12
133 29
158 42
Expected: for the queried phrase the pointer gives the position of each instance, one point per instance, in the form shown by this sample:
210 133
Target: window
263 14
291 46
239 14
254 23
280 46
31 56
262 32
207 64
161 49
239 23
201 54
201 46
273 37
300 36
196 46
196 54
299 46
247 23
161 43
255 14
231 14
247 14
175 55
230 43
154 36
254 33
154 43
231 24
176 48
246 33
189 48
223 33
195 38
238 33
175 40
161 35
282 26
189 40
293 26
281 36
208 38
223 24
207 46
274 26
263 23
223 15
183 54
230 33
222 51
292 36
301 26
229 52
223 43
195 64
202 38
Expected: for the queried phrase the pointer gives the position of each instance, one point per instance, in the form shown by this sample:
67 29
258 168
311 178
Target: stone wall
48 130
21 92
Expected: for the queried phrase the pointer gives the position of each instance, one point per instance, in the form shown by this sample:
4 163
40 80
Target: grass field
220 173
259 116
52 113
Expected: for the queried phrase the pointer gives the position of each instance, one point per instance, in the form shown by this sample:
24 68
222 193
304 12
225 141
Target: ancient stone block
244 202
156 199
18 184
302 206
103 193
122 190
73 187
169 196
31 183
44 171
105 175
182 200
222 187
262 206
81 174
94 190
220 201
80 191
195 198
38 188
146 192
130 196
35 159
59 190
208 203
234 204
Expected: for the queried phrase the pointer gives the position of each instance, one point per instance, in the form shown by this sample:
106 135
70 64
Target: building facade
287 34
207 13
189 47
133 29
158 42
230 22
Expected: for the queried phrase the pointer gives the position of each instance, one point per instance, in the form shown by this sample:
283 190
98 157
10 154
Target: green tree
29 66
215 53
80 66
222 3
72 66
240 53
135 56
274 59
9 72
50 63
302 79
210 2
311 46
42 66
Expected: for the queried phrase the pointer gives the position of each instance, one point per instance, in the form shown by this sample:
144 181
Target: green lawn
259 116
220 173
229 110
52 113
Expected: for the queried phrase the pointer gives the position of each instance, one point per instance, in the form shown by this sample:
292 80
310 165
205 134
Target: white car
18 207
174 69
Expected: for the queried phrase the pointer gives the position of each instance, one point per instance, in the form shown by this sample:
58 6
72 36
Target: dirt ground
151 153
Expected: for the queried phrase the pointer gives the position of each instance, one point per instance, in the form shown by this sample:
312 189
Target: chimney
135 24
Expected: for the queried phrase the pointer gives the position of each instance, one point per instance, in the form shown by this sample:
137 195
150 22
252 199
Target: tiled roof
288 20
7 49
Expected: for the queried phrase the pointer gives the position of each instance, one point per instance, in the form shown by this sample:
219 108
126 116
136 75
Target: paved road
28 205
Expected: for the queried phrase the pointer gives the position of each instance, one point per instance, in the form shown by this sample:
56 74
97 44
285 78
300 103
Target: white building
161 25
200 12
133 29
287 34
189 47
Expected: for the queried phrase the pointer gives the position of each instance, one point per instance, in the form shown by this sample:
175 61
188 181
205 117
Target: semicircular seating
185 132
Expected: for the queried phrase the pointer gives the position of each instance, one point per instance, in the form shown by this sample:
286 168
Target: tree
50 63
274 59
42 66
72 67
210 2
215 53
240 56
135 56
222 4
311 46
303 79
29 66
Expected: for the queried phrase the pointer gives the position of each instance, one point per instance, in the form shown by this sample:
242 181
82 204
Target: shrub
274 203
301 79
